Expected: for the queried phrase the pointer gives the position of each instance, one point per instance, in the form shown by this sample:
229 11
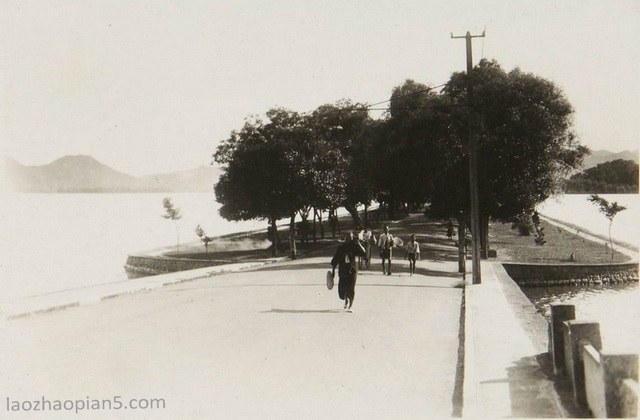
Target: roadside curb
504 338
470 385
72 298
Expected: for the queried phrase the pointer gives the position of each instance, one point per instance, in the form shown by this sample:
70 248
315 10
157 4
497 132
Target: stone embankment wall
603 381
150 266
571 274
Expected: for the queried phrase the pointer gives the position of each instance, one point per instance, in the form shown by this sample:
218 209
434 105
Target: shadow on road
403 271
402 268
529 380
294 267
303 311
437 273
416 286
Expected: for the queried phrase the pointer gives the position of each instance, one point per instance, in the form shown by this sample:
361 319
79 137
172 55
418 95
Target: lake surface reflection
53 242
616 307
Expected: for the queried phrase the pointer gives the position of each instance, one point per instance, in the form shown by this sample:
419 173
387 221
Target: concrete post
576 334
630 391
559 314
618 367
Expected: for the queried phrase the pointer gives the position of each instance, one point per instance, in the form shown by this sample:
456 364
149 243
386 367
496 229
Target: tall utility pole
473 164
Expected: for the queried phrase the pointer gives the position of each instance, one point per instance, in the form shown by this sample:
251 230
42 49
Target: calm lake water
615 307
52 242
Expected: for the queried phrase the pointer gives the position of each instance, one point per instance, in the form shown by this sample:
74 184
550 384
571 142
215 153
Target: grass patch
225 256
511 247
558 249
249 247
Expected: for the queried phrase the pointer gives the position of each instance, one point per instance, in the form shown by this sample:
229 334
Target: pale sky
153 86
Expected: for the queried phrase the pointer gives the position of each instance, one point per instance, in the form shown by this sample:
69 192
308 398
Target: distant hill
73 174
601 156
200 179
612 177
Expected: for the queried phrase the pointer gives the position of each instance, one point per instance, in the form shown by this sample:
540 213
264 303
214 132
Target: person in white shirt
366 238
385 243
412 254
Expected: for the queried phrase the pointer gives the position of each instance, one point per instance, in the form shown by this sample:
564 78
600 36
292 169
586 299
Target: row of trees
289 163
614 177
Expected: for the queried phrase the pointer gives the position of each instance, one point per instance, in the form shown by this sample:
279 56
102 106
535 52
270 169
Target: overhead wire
370 107
413 107
405 95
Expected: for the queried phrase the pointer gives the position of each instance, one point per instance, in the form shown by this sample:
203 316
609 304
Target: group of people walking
349 253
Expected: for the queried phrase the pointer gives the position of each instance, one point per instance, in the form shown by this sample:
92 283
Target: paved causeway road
268 343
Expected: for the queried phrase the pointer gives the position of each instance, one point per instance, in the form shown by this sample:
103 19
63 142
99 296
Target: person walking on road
346 259
450 229
366 238
385 243
412 254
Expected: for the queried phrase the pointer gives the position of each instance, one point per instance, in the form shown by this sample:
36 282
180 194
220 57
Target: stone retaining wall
574 274
150 266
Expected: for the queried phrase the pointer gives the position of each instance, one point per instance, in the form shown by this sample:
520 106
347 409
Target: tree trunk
315 213
178 234
392 208
292 237
274 238
333 222
353 211
484 237
462 238
610 240
320 223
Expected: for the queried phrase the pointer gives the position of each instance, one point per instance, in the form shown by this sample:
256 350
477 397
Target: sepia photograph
253 209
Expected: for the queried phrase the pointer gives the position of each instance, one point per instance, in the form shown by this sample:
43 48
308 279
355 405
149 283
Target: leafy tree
341 135
410 150
204 238
172 213
261 178
526 145
609 210
337 156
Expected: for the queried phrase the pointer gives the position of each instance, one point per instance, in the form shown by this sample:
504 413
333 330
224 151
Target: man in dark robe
346 259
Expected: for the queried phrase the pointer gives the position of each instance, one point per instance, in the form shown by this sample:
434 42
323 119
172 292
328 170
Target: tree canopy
261 179
526 144
337 156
